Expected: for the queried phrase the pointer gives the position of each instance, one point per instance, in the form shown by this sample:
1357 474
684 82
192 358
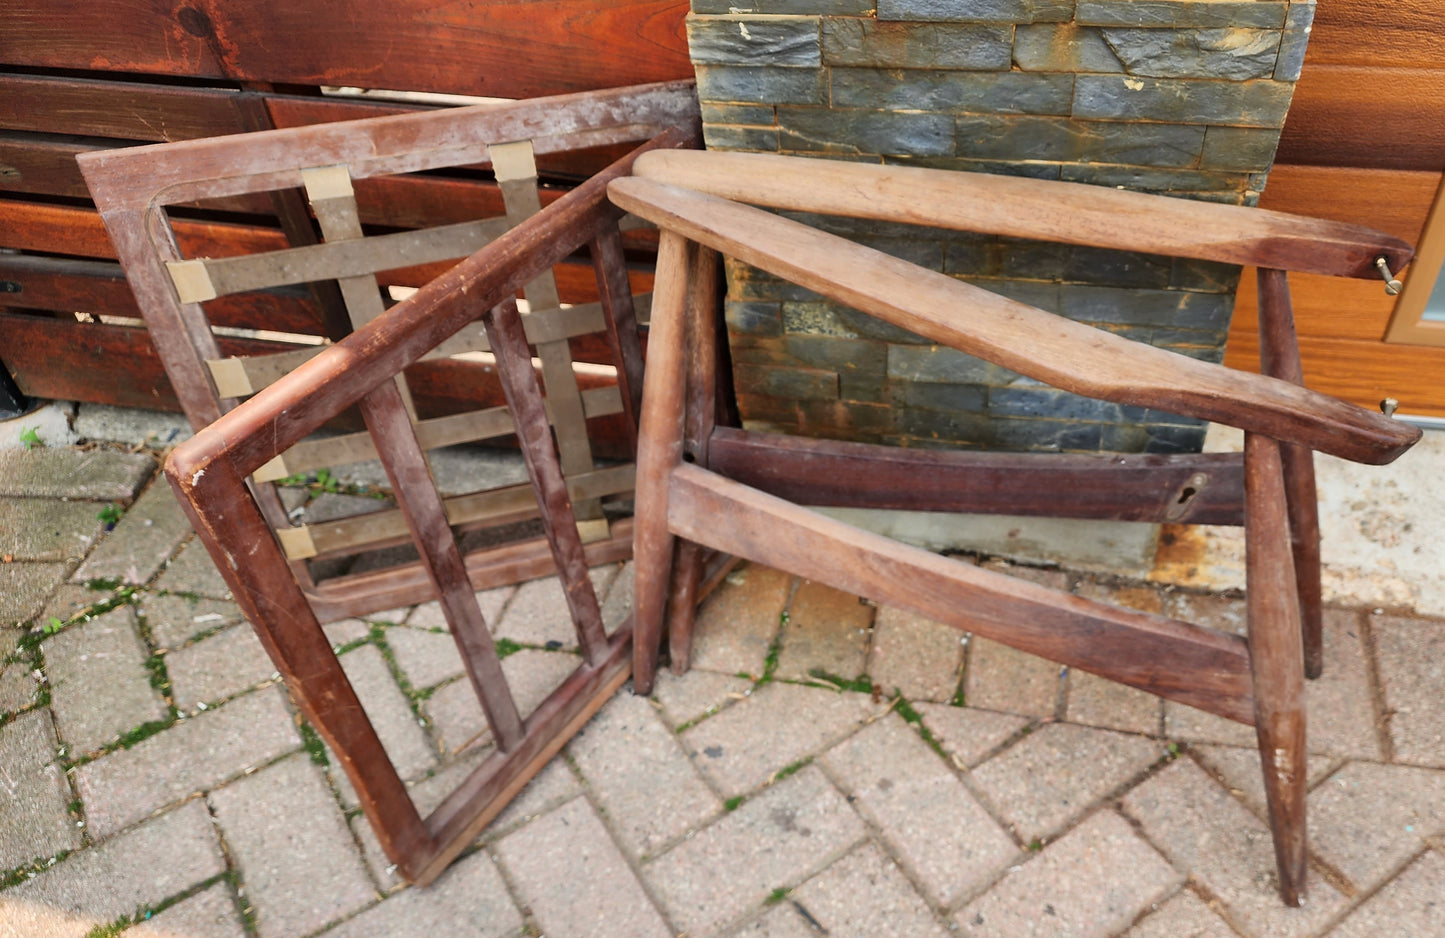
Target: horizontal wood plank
521 49
121 109
1408 33
1367 115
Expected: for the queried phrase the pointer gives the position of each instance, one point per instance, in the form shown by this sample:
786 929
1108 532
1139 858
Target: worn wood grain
1378 115
517 49
1071 213
1057 351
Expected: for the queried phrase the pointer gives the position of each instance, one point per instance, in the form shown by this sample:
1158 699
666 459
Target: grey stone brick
1054 138
94 887
794 383
972 398
870 43
1207 277
1142 307
1231 54
954 428
1367 819
1410 905
142 540
1211 837
827 318
191 571
736 625
754 318
294 851
1186 183
99 683
430 616
967 734
785 7
62 472
1412 675
173 619
1239 148
470 898
1063 47
1186 101
1294 40
800 721
47 529
1342 718
217 667
194 755
761 85
858 131
772 841
1045 435
1238 767
756 115
426 658
751 40
1184 914
902 786
917 657
18 684
568 872
24 588
1049 778
1057 405
1092 882
866 894
782 920
210 913
1003 678
1094 701
1263 14
978 11
34 817
733 137
640 776
938 364
930 90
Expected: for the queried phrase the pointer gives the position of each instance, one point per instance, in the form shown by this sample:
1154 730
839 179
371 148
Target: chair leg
1279 357
659 450
1276 659
1304 529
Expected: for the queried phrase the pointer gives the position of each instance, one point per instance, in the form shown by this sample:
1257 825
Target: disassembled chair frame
735 490
310 171
209 472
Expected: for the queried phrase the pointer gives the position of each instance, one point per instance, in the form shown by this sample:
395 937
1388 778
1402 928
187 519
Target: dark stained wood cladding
1364 143
503 48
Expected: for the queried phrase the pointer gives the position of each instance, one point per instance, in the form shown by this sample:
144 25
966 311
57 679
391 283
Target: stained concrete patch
97 474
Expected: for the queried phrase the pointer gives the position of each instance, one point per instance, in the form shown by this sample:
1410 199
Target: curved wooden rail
1041 345
1072 213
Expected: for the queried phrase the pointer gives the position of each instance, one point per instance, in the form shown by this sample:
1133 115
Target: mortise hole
1188 493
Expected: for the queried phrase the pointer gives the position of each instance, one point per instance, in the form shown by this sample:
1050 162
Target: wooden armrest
1059 351
1072 213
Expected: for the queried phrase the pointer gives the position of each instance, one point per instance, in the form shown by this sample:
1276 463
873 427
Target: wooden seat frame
734 490
309 171
209 472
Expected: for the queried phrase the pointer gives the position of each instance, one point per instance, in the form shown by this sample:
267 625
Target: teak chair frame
733 490
309 171
209 475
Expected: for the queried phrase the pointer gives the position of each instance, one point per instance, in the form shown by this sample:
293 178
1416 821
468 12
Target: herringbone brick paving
827 768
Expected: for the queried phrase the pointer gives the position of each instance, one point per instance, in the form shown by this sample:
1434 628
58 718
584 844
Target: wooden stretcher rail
504 505
1072 213
1206 488
1064 353
1207 669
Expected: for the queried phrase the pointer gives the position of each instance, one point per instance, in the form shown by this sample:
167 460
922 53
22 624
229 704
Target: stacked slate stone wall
1183 97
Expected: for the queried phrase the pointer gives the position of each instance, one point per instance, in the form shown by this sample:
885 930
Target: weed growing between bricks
144 914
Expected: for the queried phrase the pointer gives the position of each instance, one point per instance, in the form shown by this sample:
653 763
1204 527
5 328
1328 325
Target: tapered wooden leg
682 603
1279 358
1276 659
659 449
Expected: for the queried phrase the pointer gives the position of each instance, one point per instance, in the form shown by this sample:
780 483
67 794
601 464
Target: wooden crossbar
1176 660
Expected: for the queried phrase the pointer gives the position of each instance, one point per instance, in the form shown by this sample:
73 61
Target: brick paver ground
827 767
